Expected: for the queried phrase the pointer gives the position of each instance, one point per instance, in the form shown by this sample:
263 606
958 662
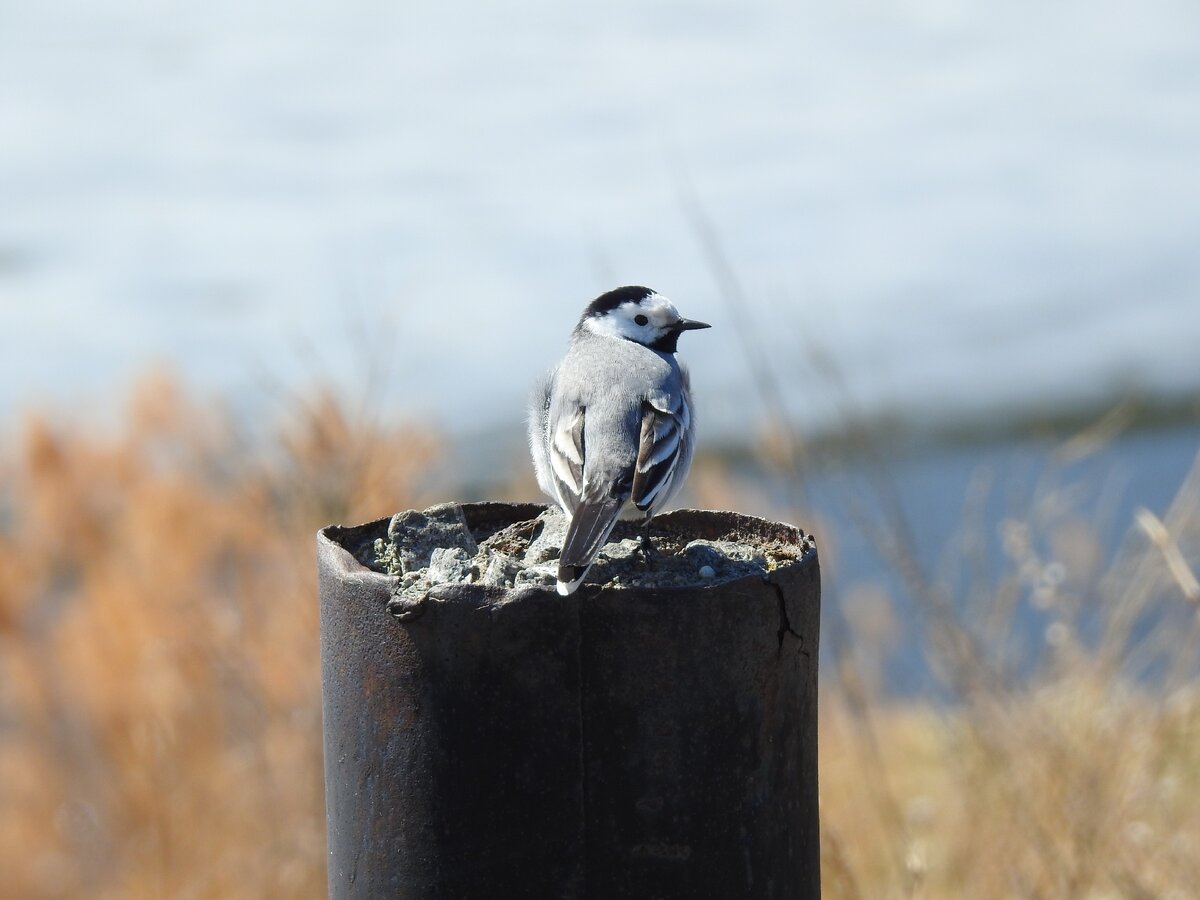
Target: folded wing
665 439
566 457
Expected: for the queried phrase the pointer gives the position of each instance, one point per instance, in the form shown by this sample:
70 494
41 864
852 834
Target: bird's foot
646 548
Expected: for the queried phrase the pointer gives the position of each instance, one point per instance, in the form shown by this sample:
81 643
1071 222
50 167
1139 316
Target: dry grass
159 692
160 732
1071 791
1066 766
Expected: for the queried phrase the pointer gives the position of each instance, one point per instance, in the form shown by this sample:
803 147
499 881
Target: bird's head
637 314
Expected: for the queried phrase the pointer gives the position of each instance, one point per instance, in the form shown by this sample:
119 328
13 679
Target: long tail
590 527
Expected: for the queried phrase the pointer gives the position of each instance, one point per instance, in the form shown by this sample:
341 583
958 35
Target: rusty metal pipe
620 742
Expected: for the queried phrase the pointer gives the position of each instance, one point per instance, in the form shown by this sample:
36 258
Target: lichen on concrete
413 538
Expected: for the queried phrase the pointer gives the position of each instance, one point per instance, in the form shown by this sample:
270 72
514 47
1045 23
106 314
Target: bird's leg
645 547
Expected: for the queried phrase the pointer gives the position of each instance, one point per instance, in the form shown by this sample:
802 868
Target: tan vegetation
161 730
1068 769
159 685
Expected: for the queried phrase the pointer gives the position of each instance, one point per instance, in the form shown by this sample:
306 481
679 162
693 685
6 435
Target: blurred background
266 269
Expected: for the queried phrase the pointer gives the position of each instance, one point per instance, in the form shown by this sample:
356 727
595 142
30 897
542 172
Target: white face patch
644 321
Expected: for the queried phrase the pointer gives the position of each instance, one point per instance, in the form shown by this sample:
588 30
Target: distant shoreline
1087 421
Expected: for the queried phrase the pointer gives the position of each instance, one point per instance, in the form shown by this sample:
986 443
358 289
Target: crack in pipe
785 624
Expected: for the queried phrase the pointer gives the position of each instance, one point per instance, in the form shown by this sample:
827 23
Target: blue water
1021 482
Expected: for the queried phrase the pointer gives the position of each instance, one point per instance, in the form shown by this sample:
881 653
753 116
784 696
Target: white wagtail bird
611 427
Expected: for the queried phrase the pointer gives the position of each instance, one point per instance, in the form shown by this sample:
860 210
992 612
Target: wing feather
566 457
664 439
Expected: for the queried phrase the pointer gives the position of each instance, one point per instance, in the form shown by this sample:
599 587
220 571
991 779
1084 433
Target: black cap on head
614 298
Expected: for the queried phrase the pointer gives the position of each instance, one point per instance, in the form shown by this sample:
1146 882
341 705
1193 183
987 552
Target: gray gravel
435 546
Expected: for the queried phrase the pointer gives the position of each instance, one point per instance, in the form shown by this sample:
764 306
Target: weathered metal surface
614 743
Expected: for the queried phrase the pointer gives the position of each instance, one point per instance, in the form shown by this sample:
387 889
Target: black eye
640 319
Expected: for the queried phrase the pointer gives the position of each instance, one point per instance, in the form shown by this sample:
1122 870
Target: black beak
670 339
